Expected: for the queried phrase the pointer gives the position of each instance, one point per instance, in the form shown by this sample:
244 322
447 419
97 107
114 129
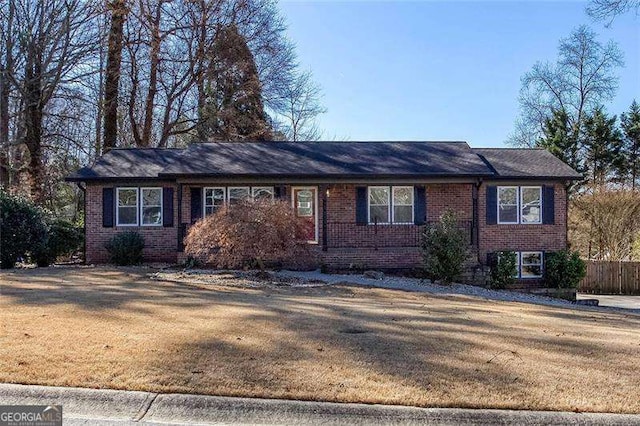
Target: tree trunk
33 124
4 126
153 77
112 73
6 67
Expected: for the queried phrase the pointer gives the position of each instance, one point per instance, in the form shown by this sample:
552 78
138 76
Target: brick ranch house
368 202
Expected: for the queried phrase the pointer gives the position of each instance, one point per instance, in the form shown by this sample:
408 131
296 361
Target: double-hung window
213 199
391 204
379 204
127 207
151 207
519 204
402 204
530 204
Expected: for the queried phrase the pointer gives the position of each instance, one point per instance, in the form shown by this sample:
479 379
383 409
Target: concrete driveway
614 300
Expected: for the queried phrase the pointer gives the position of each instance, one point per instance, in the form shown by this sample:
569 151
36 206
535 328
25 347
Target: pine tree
602 143
630 153
559 139
233 109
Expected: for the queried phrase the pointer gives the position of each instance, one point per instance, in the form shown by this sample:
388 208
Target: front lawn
116 328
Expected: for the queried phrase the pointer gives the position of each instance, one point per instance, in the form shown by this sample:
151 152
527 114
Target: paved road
614 301
111 407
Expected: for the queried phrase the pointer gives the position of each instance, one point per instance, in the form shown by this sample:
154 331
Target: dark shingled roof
526 163
128 163
325 159
329 159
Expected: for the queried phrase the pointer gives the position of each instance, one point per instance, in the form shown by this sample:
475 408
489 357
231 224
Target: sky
424 70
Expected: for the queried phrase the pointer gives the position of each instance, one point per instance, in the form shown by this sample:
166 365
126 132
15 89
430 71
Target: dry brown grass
113 328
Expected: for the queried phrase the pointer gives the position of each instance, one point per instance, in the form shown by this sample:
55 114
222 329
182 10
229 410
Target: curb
146 407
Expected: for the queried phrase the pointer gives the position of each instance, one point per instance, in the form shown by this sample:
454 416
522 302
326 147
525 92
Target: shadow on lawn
332 343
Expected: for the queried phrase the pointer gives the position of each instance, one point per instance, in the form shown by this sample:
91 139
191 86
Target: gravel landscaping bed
426 286
233 278
207 278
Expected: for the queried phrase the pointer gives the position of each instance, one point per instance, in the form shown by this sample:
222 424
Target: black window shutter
419 205
492 205
548 205
196 204
280 192
361 205
108 207
167 207
492 259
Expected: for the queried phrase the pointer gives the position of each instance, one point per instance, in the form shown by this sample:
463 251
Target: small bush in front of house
23 229
563 269
444 249
125 248
63 240
255 234
504 268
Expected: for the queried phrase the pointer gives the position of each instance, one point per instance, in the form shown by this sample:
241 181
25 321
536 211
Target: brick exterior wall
160 242
351 245
523 237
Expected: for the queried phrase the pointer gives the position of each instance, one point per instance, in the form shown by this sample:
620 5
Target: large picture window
391 204
127 207
519 204
151 206
213 199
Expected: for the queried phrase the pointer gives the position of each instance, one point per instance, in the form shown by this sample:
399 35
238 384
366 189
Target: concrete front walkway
614 300
113 407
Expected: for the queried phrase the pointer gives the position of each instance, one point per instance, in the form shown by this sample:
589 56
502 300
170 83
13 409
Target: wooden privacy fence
604 277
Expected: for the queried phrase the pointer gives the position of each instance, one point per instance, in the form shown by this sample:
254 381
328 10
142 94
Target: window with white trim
379 204
530 204
507 204
530 265
238 194
519 204
402 204
151 206
262 193
390 204
213 199
127 206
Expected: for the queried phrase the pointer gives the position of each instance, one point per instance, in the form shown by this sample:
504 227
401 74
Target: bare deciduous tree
303 106
118 10
582 78
54 48
609 9
604 225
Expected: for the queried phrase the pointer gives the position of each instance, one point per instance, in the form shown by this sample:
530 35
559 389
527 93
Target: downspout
84 219
476 218
567 185
179 220
325 196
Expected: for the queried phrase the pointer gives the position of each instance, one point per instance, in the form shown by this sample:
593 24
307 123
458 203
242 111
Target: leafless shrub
605 224
249 235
